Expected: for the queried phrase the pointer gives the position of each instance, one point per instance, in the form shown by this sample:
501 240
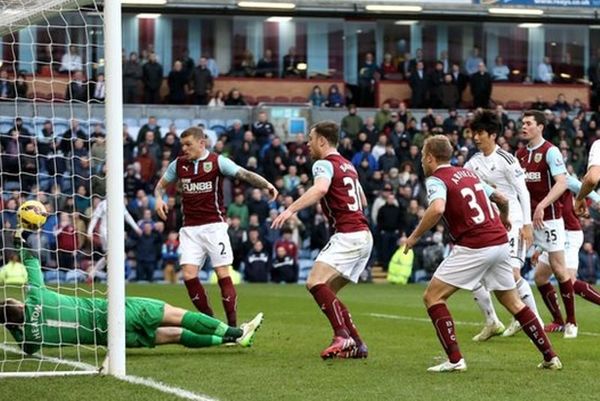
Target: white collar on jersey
203 157
442 166
536 146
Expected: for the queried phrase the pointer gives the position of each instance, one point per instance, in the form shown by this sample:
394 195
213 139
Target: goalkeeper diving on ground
49 319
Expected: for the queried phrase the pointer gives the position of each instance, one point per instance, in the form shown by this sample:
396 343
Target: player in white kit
502 171
101 216
590 180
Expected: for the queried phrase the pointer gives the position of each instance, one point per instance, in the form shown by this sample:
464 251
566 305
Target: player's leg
193 256
361 350
581 288
542 276
100 264
189 339
493 325
565 285
228 293
219 250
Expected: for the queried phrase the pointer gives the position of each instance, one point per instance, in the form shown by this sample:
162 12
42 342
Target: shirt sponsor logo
534 176
198 187
537 158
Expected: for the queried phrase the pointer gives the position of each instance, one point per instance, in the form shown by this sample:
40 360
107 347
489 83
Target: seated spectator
235 98
539 104
239 209
473 61
561 104
544 71
258 205
71 60
246 66
365 154
284 268
257 264
148 248
235 134
291 179
98 89
151 125
291 65
170 257
267 66
388 160
286 241
371 130
380 146
262 129
334 98
589 263
316 98
351 123
77 88
218 100
382 116
500 71
388 68
177 82
7 86
21 85
66 242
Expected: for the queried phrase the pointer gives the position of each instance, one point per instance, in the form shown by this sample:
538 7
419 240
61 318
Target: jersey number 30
470 196
354 193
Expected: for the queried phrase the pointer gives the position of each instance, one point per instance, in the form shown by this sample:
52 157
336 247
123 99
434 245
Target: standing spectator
257 264
382 116
284 268
481 87
218 100
201 82
267 66
445 61
170 257
71 60
436 80
187 63
388 160
371 130
589 263
77 88
235 98
177 81
98 90
544 71
258 205
263 129
389 219
239 209
500 71
67 142
418 86
7 86
66 242
147 250
237 236
151 125
473 61
21 86
449 96
351 123
459 79
365 154
152 77
366 81
415 61
132 76
148 166
594 77
334 97
388 67
317 98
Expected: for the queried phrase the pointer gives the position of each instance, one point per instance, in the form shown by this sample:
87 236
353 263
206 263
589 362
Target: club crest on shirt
537 158
207 167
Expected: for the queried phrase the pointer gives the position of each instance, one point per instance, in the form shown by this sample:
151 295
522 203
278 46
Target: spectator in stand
500 71
46 136
589 264
371 130
71 60
262 129
148 248
237 236
21 86
389 220
388 68
66 242
436 80
235 98
367 74
291 179
132 76
445 61
286 241
544 71
481 87
379 148
316 98
473 61
291 64
258 205
284 268
218 100
418 86
201 82
98 89
382 116
67 142
257 264
177 82
235 135
77 88
170 257
365 154
459 79
7 86
171 143
351 123
539 104
398 133
153 146
561 104
449 97
415 61
334 98
148 165
267 66
568 72
239 209
388 160
187 63
151 125
593 73
212 66
152 77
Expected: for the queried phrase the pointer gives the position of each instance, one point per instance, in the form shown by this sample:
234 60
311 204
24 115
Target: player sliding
204 232
573 241
47 318
545 174
502 171
346 254
481 252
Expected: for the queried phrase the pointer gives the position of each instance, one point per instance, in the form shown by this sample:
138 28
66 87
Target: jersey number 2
354 193
470 196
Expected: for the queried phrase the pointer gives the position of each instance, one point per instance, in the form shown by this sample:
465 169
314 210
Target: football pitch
284 363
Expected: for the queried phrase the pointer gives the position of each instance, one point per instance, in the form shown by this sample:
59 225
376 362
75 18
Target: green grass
284 362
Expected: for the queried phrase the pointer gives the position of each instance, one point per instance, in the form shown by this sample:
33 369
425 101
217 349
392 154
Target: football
32 214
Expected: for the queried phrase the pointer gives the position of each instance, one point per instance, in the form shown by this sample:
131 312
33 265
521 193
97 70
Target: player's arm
132 223
32 264
559 173
436 195
590 180
323 174
516 177
230 169
168 177
94 221
501 202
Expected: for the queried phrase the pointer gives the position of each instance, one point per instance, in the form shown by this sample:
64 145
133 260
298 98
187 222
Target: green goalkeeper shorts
143 317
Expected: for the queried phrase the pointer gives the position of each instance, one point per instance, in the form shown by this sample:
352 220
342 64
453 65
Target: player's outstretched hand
506 222
161 209
527 235
581 209
281 219
273 192
538 218
409 244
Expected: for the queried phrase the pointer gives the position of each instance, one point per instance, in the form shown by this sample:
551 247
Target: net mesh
52 146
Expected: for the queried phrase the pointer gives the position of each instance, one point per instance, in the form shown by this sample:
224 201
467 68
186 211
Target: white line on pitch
179 392
425 320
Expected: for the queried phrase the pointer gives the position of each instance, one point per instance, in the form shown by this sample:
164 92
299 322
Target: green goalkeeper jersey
53 319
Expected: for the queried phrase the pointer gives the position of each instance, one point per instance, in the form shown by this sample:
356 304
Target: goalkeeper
48 318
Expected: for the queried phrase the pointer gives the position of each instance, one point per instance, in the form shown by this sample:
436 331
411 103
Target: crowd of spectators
66 171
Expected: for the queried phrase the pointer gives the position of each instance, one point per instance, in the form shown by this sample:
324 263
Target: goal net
53 149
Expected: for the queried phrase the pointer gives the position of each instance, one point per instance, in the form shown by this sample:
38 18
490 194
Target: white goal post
96 29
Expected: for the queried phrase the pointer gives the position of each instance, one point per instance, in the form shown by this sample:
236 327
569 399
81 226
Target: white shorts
198 242
552 237
348 253
573 243
517 248
466 268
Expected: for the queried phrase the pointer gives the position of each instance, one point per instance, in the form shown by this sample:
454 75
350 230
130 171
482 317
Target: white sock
527 297
484 300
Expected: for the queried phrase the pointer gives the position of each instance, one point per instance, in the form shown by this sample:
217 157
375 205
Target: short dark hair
328 130
196 132
538 116
438 146
11 312
487 121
